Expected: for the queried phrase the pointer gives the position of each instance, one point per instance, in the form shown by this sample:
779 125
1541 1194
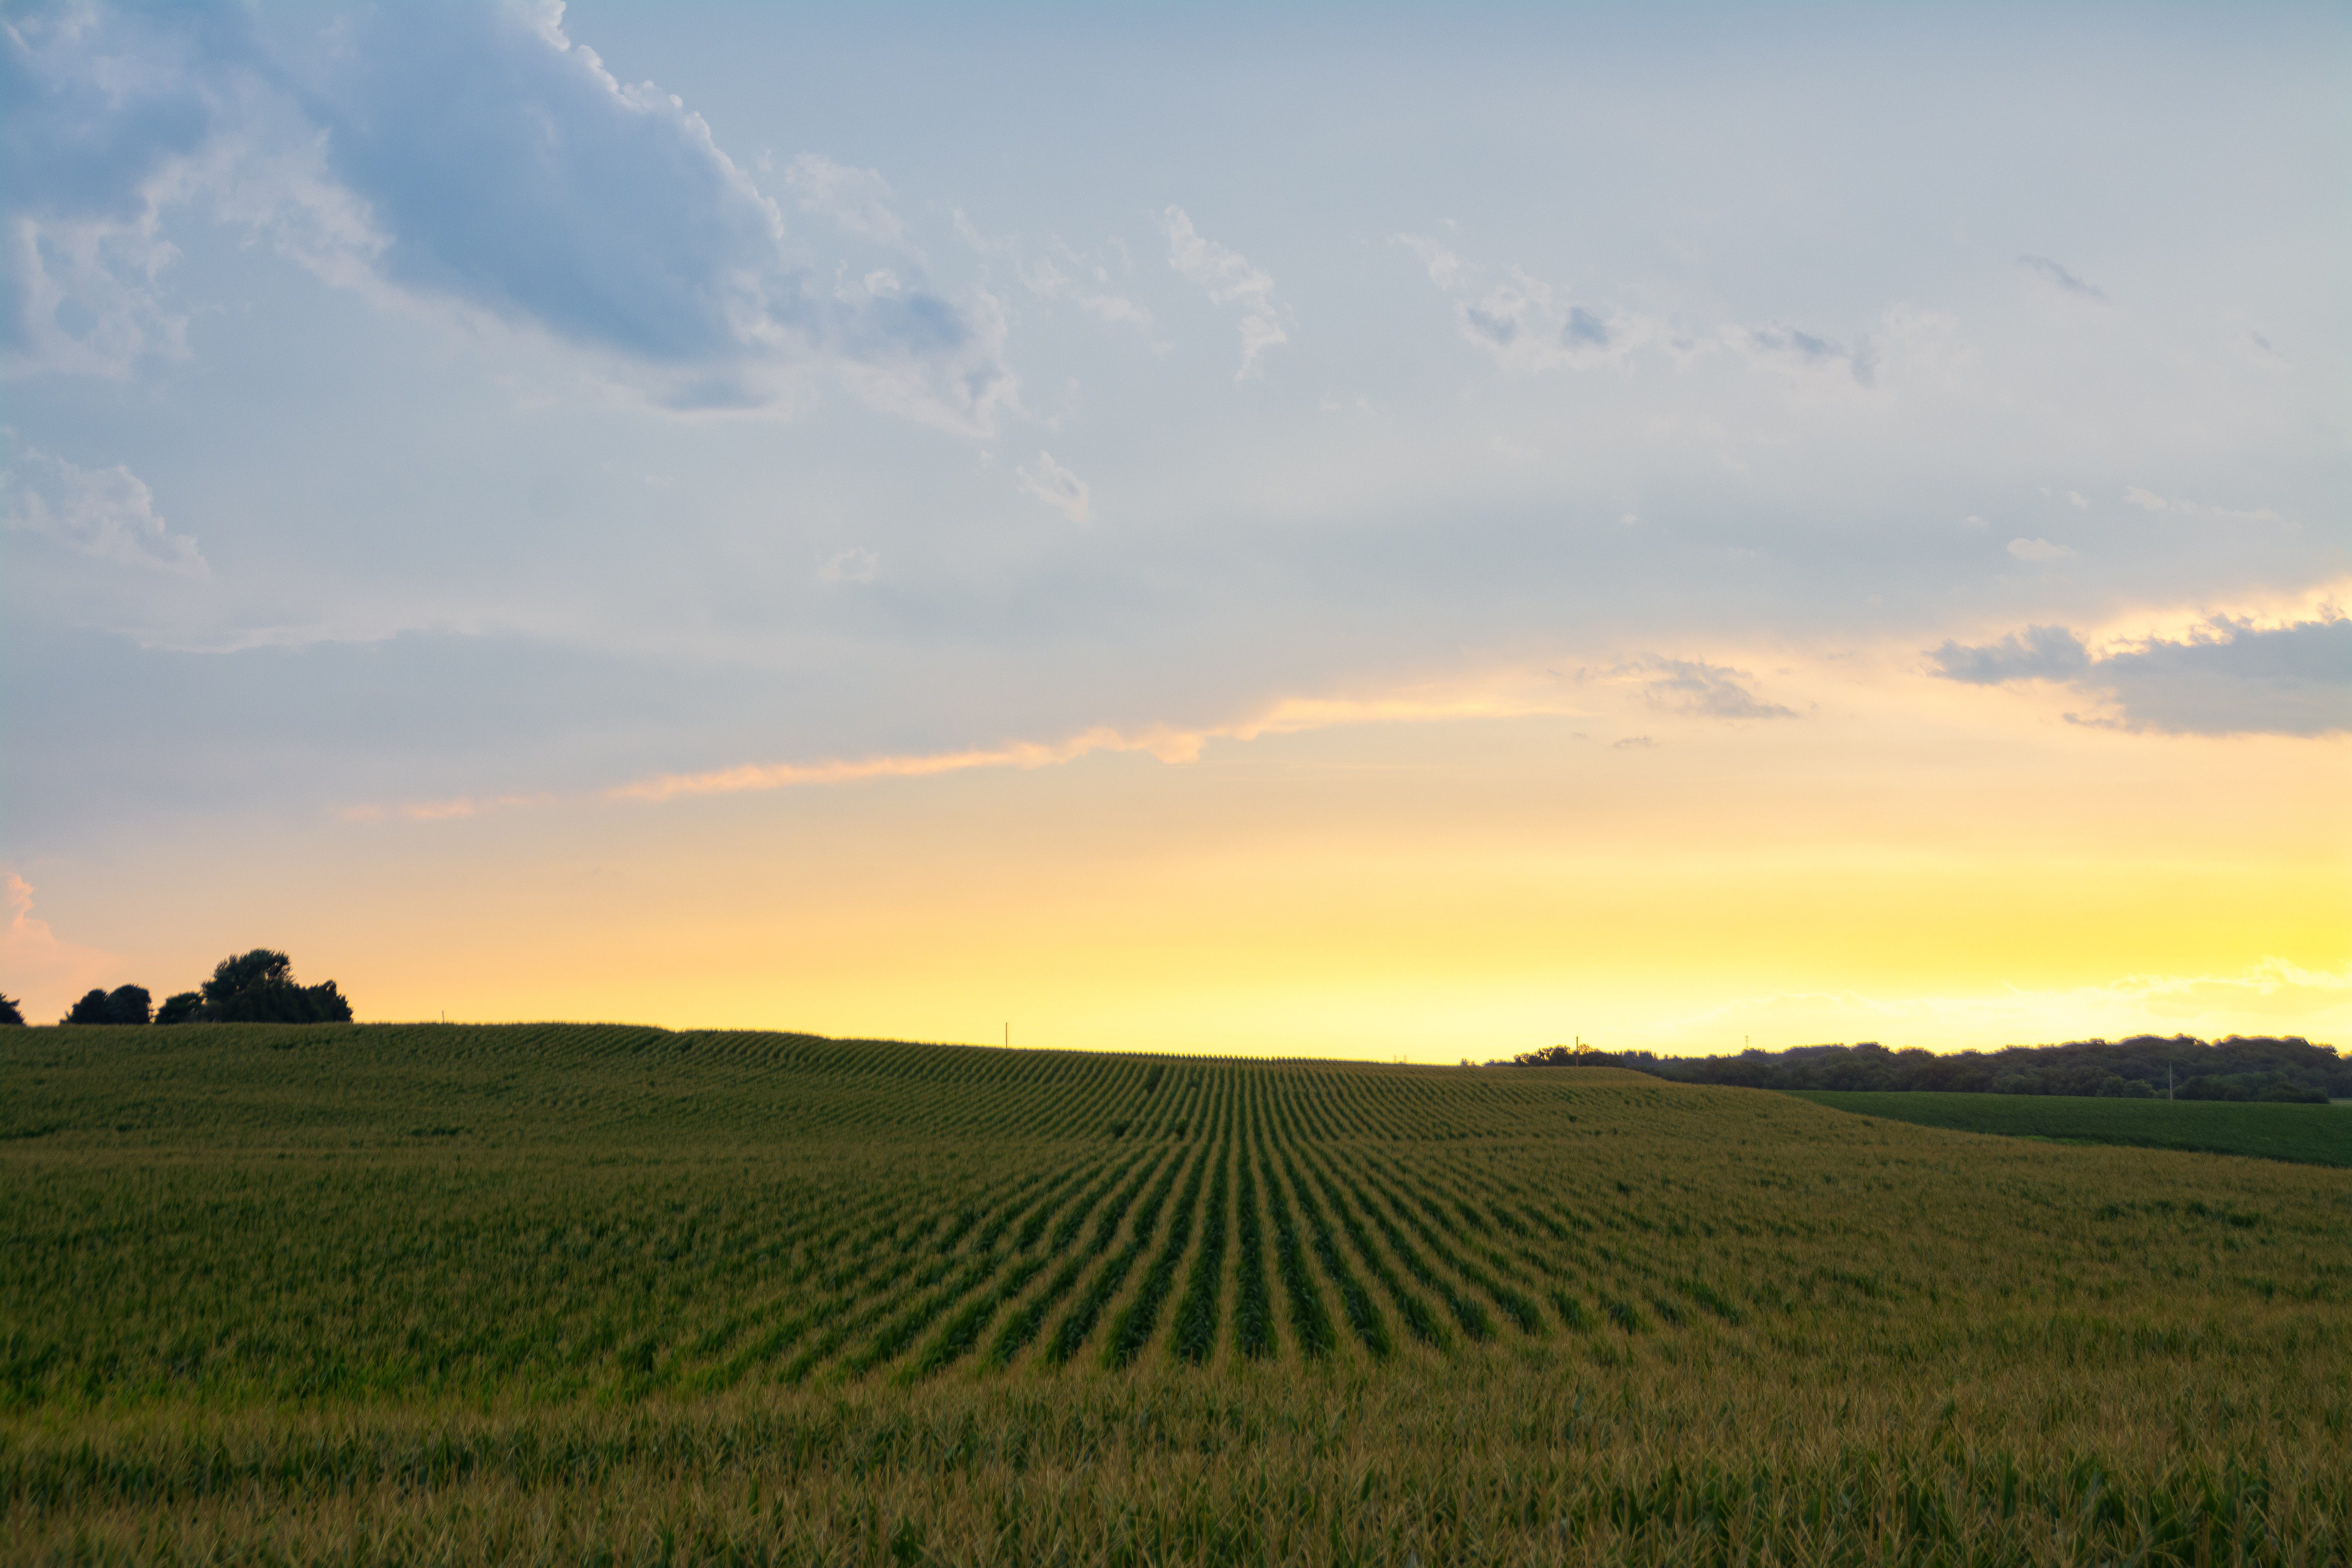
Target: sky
1371 531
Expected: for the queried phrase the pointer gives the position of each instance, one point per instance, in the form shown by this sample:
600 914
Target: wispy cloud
1510 699
1058 487
1526 324
1707 690
107 513
2044 270
1531 326
2181 506
1791 348
850 565
1230 279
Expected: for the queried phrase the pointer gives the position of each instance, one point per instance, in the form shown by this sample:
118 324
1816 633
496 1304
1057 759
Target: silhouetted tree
181 1008
10 1013
123 1005
2144 1067
259 987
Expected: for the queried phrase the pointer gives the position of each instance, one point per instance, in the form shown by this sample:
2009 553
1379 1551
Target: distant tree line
256 987
2239 1068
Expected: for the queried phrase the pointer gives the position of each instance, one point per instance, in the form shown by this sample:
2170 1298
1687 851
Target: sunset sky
1315 530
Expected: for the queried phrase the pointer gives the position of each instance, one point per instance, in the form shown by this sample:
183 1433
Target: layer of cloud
472 157
2228 676
1058 487
106 513
1230 279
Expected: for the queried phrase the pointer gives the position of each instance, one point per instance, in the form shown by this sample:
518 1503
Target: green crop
575 1293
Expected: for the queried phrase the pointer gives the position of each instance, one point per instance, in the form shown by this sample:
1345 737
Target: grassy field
588 1294
2318 1135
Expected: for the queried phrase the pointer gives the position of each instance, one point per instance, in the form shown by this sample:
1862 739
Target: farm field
2319 1134
587 1293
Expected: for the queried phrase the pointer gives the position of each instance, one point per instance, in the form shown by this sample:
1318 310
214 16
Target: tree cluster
256 987
2240 1068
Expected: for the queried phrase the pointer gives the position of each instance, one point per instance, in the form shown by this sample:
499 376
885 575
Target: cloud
1058 486
1046 279
2048 271
33 961
471 157
99 111
1528 326
1708 691
857 199
1632 744
1518 697
851 565
1531 326
1230 279
2149 501
2039 653
1787 348
2038 550
106 513
2229 677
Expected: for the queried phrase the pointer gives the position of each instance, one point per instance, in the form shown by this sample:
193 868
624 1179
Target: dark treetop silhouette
256 987
2146 1066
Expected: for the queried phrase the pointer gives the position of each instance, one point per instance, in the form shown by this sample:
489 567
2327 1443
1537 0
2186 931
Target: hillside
394 1292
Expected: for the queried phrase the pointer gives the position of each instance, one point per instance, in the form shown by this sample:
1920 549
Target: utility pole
1008 1034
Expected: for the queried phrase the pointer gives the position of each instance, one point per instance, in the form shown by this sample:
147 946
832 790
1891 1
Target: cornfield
574 1293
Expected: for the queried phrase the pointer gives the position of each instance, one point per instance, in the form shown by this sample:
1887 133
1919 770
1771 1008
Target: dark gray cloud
2038 653
2230 679
2050 272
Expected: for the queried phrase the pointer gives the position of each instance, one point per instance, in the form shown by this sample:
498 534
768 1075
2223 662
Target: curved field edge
2308 1134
